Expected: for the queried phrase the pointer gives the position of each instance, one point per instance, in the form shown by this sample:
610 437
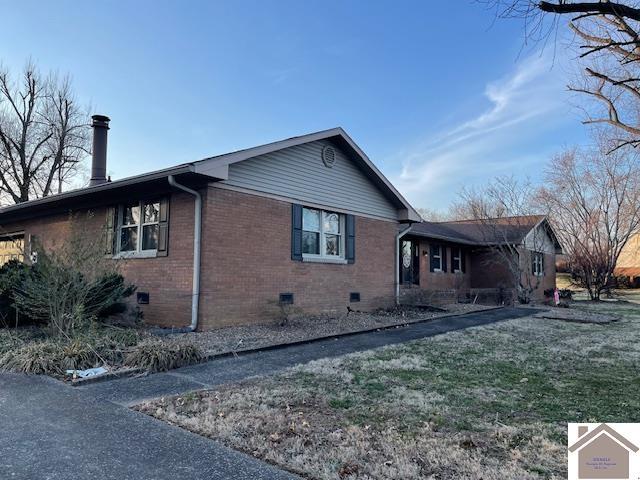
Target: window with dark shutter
436 263
322 236
457 260
138 229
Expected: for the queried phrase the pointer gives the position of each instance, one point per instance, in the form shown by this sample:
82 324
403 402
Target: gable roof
338 136
210 169
494 231
596 432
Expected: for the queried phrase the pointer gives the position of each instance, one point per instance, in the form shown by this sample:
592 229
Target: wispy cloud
507 137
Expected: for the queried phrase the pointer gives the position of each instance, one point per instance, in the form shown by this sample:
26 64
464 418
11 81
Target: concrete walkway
129 391
49 430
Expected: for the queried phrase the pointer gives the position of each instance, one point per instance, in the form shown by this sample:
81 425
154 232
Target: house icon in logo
602 453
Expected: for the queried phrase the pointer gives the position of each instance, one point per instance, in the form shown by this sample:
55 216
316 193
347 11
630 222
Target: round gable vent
328 156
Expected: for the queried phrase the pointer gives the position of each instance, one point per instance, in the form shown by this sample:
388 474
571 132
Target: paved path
129 391
51 431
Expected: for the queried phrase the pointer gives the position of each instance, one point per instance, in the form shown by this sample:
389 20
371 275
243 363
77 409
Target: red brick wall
443 280
246 263
491 272
166 279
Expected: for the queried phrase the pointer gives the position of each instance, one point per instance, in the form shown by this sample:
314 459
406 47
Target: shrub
12 275
72 286
157 356
9 340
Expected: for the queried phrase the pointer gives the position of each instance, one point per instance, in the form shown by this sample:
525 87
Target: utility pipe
398 237
197 229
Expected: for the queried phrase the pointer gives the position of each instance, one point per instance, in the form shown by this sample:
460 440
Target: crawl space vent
286 299
328 156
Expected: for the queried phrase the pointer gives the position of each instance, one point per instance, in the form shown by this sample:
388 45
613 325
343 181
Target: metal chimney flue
100 125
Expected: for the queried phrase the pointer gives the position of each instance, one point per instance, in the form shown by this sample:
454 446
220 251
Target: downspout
398 237
197 229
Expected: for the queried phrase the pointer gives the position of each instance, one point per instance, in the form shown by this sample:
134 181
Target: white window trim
322 257
308 258
138 252
458 258
439 257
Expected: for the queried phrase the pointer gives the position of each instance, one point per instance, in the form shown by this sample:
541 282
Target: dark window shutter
533 263
296 232
443 253
110 231
431 259
463 261
163 228
350 234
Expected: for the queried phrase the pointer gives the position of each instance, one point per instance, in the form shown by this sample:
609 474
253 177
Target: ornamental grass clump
40 358
158 356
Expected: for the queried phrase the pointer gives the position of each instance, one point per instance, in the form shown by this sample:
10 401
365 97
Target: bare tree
608 33
431 215
44 134
594 202
509 225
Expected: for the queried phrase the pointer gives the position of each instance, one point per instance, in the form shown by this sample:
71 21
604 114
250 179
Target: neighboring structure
232 239
467 259
629 262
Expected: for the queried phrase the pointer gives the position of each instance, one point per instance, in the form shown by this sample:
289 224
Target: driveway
49 430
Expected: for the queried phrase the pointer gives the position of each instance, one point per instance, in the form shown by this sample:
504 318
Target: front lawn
489 402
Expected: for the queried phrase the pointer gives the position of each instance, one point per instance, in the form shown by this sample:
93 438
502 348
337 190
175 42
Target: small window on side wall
436 258
322 234
138 228
457 260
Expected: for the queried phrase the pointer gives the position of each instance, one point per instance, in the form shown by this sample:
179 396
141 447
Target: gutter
197 243
397 263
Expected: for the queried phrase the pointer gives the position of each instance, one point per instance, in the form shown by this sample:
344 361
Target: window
11 248
138 227
537 263
322 234
456 259
436 258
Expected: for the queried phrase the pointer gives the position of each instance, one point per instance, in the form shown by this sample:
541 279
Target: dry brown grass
490 402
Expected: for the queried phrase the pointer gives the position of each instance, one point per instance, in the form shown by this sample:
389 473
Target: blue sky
437 93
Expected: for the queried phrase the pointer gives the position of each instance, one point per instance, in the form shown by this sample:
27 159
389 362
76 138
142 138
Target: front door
409 263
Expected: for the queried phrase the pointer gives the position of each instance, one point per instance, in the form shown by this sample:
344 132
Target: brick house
628 264
469 259
307 221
